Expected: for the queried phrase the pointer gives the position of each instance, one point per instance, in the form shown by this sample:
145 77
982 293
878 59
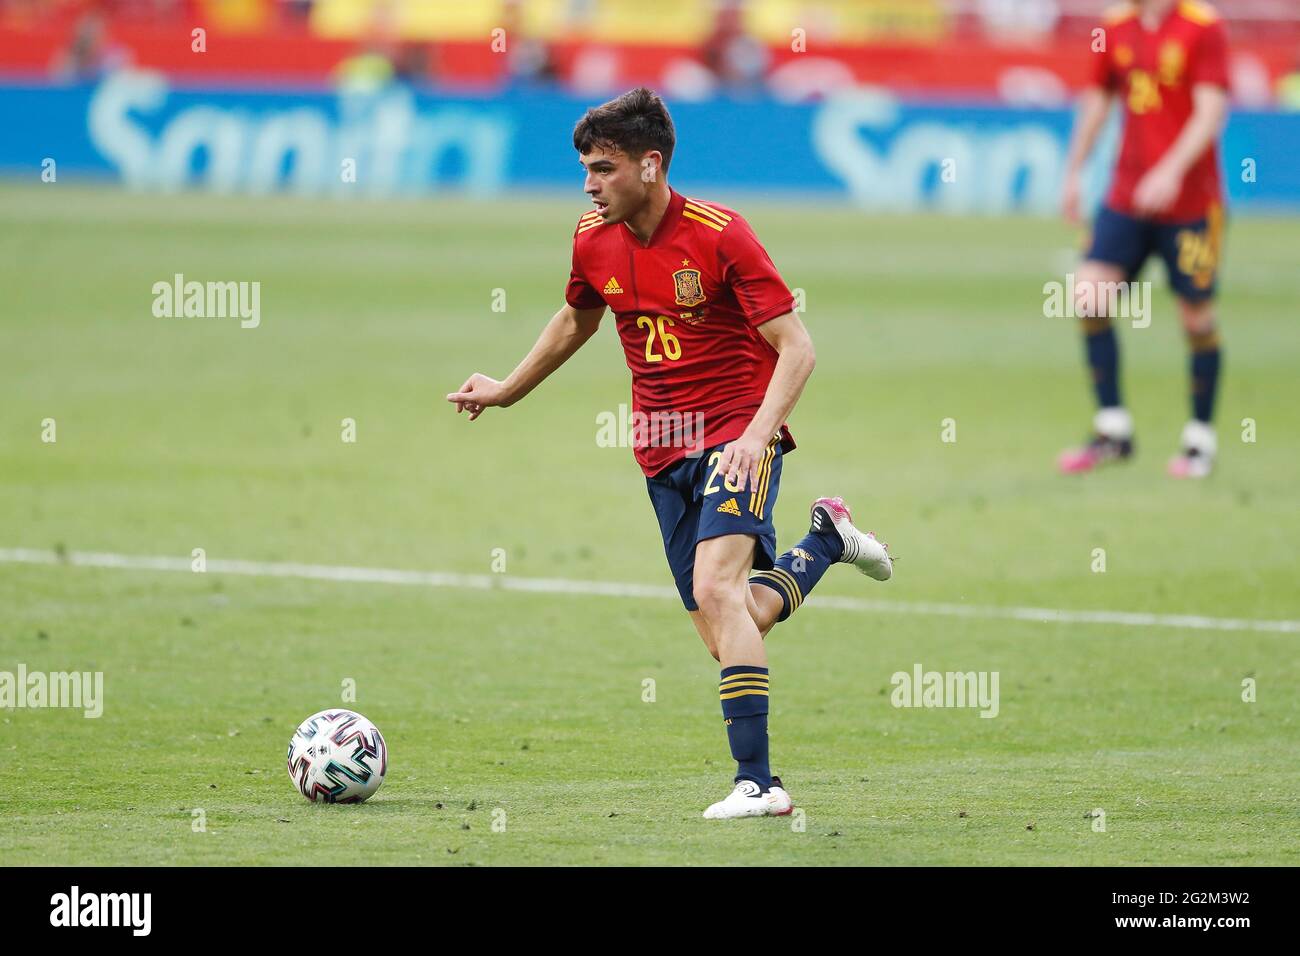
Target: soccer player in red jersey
1167 62
718 361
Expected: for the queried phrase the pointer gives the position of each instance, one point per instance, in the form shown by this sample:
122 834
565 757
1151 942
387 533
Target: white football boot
1196 460
863 551
747 800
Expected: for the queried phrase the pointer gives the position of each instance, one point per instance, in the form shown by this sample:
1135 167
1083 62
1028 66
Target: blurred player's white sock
1114 423
1199 446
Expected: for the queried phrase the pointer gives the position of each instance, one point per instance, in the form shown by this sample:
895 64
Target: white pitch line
489 582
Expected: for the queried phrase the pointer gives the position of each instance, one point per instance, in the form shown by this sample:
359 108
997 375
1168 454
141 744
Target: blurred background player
1167 61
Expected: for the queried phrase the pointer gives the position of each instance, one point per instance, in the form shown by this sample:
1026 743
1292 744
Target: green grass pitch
175 434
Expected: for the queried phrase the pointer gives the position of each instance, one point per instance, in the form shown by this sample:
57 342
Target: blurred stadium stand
865 96
1011 50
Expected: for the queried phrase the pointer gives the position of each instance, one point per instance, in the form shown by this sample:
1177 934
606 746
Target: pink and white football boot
863 551
1112 440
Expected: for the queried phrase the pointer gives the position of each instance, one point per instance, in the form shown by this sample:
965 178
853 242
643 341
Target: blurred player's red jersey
1154 72
687 306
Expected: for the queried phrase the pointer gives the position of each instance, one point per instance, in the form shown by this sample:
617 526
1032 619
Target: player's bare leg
706 635
1198 444
1112 438
722 568
721 589
764 607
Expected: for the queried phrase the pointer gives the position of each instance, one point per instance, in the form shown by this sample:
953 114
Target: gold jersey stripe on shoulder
1198 12
686 213
584 226
1118 13
589 217
708 210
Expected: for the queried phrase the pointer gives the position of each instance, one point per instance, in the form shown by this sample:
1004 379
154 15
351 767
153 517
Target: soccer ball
337 756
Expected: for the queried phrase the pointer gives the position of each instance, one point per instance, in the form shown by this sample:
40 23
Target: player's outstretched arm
567 332
796 358
1094 105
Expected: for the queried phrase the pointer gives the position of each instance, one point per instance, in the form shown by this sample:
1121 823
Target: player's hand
1070 198
1157 190
478 392
740 461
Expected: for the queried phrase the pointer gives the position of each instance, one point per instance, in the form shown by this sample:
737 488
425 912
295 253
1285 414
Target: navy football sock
797 571
744 692
1206 359
1103 358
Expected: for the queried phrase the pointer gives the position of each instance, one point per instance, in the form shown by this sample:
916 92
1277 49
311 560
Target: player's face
615 184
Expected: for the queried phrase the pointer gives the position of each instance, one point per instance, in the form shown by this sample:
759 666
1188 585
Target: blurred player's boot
748 800
1112 440
1196 460
863 551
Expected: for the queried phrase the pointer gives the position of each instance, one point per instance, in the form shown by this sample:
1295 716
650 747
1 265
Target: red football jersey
687 307
1154 72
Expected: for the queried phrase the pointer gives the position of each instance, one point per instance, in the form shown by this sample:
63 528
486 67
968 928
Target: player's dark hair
634 123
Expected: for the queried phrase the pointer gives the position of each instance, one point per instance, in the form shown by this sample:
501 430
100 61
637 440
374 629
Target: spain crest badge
687 284
1172 60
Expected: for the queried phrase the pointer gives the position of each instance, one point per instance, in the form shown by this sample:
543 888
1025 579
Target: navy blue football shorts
694 503
1190 250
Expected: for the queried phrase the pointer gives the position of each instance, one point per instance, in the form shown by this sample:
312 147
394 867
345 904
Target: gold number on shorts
709 487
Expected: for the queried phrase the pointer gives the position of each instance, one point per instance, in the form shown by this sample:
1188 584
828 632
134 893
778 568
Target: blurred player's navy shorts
1190 249
693 503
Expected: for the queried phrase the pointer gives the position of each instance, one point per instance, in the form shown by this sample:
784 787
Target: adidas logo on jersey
612 287
729 507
